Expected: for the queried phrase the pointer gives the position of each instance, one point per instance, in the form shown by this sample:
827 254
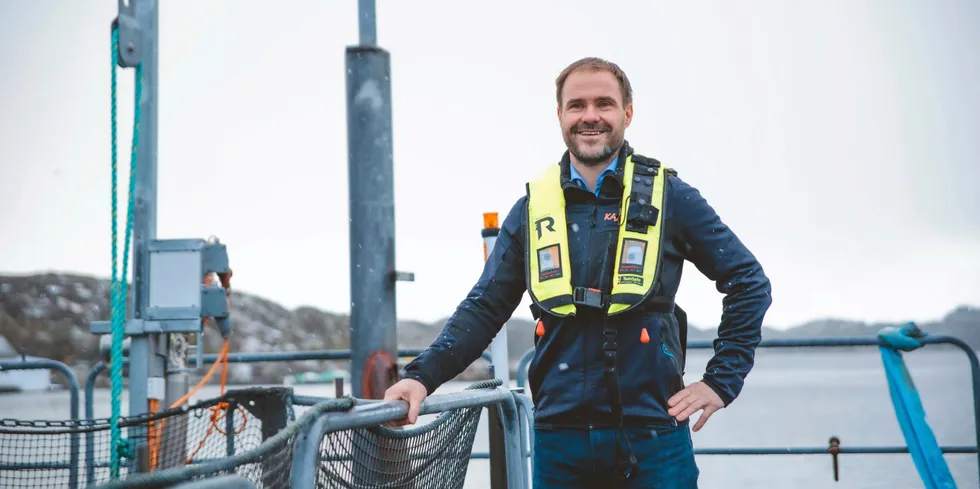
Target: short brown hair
596 64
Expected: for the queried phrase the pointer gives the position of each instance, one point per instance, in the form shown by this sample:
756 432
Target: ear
558 109
629 115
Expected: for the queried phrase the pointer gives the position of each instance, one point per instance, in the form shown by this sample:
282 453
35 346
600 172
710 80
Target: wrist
716 388
421 380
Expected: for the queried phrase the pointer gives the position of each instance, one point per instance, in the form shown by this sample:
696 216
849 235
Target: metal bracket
397 276
178 299
130 38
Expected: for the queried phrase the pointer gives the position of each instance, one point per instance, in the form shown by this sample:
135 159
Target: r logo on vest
550 226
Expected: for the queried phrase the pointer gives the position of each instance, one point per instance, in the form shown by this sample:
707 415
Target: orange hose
217 411
155 435
222 358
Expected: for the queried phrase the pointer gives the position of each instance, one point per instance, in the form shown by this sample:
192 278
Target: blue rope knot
905 338
125 449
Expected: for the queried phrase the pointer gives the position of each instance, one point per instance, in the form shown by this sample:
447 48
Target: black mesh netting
249 433
434 455
41 454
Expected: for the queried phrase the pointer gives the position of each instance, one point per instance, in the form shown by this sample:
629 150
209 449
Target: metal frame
306 451
258 357
524 406
45 364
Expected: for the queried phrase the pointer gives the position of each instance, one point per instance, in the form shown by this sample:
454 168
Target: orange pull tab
540 329
644 336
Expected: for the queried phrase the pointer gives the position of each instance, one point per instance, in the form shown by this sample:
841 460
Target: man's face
592 116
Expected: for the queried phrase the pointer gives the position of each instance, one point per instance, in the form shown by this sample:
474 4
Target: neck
590 171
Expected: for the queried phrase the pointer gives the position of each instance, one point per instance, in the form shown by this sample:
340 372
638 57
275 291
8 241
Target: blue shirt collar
577 178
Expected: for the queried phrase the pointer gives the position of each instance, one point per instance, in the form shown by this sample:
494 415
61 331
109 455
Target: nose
591 114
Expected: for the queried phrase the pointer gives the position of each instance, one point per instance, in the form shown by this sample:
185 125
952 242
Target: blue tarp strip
922 443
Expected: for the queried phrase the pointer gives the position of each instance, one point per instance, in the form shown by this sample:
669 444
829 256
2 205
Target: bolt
131 48
834 450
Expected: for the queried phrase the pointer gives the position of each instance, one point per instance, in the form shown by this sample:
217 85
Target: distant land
49 315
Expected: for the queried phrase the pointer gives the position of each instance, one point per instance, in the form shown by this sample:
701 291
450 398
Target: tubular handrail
46 364
210 358
830 342
363 415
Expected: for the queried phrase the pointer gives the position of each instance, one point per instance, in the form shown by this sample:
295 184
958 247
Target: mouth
590 133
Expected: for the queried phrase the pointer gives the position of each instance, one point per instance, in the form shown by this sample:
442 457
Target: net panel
267 466
56 454
434 455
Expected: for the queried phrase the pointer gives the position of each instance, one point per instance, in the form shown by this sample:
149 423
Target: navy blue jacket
565 376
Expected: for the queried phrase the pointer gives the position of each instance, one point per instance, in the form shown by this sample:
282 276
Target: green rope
119 286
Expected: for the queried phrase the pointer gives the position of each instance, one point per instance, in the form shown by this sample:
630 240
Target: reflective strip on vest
638 252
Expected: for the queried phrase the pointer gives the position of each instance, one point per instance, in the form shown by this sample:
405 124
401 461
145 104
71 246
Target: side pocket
681 316
670 342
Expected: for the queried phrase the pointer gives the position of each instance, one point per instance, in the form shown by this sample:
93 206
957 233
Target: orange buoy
540 329
644 336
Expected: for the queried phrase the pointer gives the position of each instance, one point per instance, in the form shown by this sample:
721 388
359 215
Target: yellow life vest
638 252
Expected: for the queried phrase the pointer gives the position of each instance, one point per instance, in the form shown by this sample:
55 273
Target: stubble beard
594 155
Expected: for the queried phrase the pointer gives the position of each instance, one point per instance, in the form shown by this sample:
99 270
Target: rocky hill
49 315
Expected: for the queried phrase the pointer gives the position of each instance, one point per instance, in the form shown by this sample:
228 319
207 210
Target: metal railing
45 364
834 448
308 453
89 390
524 405
257 357
295 457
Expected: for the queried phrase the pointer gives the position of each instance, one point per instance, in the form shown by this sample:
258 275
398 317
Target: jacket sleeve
717 252
478 318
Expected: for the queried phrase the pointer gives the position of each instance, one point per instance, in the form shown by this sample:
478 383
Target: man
599 243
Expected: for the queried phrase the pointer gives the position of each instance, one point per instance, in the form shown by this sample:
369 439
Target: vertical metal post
374 341
501 370
366 23
499 357
173 443
145 362
374 351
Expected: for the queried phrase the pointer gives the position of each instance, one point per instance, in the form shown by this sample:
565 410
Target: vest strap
580 296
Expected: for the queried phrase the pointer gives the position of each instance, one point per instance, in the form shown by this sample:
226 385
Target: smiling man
599 241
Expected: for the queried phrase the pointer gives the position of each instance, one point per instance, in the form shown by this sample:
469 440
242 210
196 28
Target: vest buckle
583 296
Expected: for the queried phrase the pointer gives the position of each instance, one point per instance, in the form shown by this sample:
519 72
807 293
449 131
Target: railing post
507 462
498 454
173 443
306 454
73 438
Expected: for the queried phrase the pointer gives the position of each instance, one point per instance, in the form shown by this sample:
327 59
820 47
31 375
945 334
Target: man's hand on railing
411 391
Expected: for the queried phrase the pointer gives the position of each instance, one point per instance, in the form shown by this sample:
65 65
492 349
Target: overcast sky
838 138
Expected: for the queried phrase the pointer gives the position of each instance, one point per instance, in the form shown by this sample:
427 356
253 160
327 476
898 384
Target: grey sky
837 138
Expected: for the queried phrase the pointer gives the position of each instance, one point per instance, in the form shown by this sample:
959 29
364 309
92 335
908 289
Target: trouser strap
624 468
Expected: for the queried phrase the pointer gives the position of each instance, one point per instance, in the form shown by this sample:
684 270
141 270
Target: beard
597 153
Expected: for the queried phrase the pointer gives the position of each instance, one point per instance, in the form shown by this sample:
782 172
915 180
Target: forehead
591 84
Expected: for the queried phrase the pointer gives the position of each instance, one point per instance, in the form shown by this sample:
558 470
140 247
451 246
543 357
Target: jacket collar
612 184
